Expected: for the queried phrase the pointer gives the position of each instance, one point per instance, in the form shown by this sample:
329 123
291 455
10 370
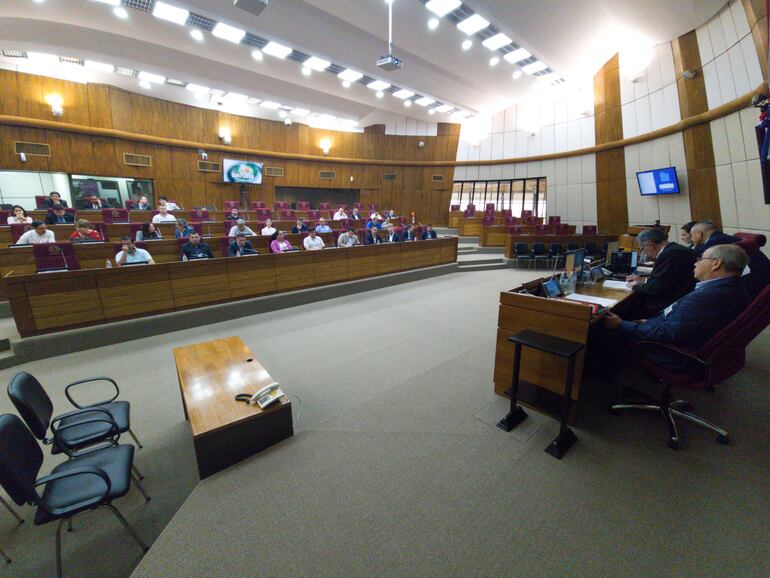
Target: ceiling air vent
273 171
327 175
208 167
32 149
438 178
389 177
137 160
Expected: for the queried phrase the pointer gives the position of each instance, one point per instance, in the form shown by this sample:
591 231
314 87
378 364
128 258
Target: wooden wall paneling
61 153
30 96
9 93
120 109
99 106
34 163
756 13
184 165
195 282
142 291
250 278
103 159
7 154
76 103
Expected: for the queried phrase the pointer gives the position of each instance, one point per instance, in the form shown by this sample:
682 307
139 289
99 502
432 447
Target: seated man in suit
233 215
94 203
194 248
718 298
705 234
300 227
408 234
355 214
392 236
54 199
59 216
182 229
372 237
671 277
240 247
142 204
429 233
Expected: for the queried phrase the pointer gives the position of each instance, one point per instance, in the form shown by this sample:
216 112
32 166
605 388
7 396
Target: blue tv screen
658 182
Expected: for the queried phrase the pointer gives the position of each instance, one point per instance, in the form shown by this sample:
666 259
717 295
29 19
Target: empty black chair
592 250
521 250
573 246
556 251
83 483
539 253
78 429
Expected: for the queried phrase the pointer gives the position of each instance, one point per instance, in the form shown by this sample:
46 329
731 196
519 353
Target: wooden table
226 431
542 375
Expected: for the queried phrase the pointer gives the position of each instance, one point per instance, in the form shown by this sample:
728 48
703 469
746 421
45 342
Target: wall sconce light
202 154
421 144
55 101
325 145
689 74
225 135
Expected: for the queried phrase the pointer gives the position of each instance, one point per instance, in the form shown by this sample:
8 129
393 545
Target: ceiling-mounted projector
389 62
254 7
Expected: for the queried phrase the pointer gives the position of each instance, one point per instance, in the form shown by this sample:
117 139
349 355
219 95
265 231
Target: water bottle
108 264
564 281
572 281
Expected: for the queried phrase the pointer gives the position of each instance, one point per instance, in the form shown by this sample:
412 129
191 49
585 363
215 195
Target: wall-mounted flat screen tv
242 172
658 182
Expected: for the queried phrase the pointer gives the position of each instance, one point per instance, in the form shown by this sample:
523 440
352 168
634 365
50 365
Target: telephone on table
264 397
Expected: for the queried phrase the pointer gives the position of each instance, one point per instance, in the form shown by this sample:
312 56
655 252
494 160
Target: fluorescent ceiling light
497 41
197 34
467 44
192 87
407 103
171 13
306 71
257 55
378 85
110 2
443 108
473 24
536 66
442 7
270 104
277 50
431 111
403 93
318 64
517 74
98 66
517 55
226 32
424 101
494 61
346 83
42 58
433 23
350 75
150 77
379 94
300 111
145 85
253 100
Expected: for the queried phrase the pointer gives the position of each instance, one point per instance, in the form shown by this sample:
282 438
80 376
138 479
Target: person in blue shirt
183 230
322 226
374 223
718 298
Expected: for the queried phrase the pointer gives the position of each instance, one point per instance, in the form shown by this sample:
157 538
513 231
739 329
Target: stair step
488 267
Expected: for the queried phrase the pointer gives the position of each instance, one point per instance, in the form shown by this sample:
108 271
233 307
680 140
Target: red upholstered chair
232 205
526 213
516 230
359 206
324 206
134 228
199 216
40 201
721 357
372 206
469 213
17 230
262 214
488 220
258 205
4 217
454 207
303 206
115 215
554 220
589 229
313 215
224 244
543 229
228 225
509 220
344 224
287 215
561 229
281 205
55 256
507 213
490 207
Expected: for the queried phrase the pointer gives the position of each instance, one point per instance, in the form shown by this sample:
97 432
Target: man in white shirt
313 242
340 214
164 202
39 233
348 239
131 254
268 230
240 227
163 216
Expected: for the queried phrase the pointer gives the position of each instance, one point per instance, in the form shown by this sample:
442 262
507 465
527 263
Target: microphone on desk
208 228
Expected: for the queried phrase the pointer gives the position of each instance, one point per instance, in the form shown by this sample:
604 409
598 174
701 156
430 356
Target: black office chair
539 253
592 250
573 246
521 250
16 515
78 429
557 253
87 482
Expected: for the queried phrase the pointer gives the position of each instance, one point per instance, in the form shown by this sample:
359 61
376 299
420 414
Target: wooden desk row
564 240
495 235
44 303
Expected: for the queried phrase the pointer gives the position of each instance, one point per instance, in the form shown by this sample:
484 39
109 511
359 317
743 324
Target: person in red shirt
84 232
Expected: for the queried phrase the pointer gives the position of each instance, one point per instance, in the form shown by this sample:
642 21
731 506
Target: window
516 195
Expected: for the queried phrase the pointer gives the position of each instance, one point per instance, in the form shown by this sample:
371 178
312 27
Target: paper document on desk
603 301
609 284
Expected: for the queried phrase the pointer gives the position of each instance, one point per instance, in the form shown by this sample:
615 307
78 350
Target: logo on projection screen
242 172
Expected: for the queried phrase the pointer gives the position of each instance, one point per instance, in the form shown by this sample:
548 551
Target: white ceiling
574 37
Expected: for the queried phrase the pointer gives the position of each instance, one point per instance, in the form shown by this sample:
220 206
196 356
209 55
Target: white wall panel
547 113
735 137
739 18
588 168
717 35
508 172
719 142
573 135
510 119
751 60
666 58
561 137
509 145
521 143
726 82
728 27
587 134
548 170
658 114
574 171
749 119
462 150
711 80
628 114
574 203
561 171
643 119
671 105
726 188
704 44
498 122
497 146
589 203
547 140
738 67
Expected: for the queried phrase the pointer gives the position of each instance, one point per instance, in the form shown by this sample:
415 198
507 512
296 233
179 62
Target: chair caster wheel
673 444
724 440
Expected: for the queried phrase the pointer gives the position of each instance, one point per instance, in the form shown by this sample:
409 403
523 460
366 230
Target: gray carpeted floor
396 467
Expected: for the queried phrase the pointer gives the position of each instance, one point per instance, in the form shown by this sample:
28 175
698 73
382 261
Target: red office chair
258 205
303 205
313 215
543 229
454 207
287 215
490 207
4 217
359 206
324 206
115 215
589 229
721 357
17 230
281 205
232 205
199 216
50 256
134 228
507 213
227 226
372 206
469 213
488 220
344 224
526 213
554 220
262 214
40 201
224 245
516 230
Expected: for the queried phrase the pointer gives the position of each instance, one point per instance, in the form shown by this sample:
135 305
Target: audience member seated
164 202
322 226
372 236
375 216
348 239
130 253
313 242
54 199
340 214
429 233
94 203
233 215
684 234
706 234
300 227
163 216
374 223
142 204
59 216
240 227
757 275
39 233
671 276
390 214
408 234
194 248
83 232
183 229
355 214
718 298
280 244
268 230
391 236
148 232
19 215
240 246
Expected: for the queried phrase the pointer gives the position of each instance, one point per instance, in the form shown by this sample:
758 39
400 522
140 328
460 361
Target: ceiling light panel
300 111
171 13
517 55
192 87
42 58
473 24
317 64
443 108
403 93
424 101
536 66
350 75
378 85
98 66
270 104
497 41
229 33
277 50
442 7
150 77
